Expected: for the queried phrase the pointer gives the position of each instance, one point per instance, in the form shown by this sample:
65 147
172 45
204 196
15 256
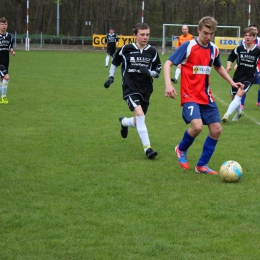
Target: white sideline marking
249 117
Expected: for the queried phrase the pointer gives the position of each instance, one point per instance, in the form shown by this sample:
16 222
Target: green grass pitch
72 188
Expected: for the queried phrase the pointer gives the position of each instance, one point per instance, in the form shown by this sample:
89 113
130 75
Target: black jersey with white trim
132 58
111 40
246 61
6 43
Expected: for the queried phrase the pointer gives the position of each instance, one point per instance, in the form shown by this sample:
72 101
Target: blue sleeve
180 54
217 61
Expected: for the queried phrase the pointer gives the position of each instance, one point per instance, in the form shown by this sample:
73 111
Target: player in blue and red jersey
199 108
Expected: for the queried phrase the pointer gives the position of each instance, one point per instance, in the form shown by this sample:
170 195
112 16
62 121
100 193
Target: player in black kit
140 63
247 56
6 46
111 41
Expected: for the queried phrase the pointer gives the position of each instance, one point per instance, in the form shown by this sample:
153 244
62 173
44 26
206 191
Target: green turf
72 188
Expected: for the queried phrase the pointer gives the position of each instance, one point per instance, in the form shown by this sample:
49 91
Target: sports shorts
111 51
257 78
207 113
247 86
136 100
3 71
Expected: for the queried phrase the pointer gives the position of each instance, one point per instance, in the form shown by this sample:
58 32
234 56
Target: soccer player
186 36
111 41
247 56
140 63
257 74
6 46
199 108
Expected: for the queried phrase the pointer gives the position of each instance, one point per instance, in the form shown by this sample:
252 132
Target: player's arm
104 44
12 52
115 63
229 66
169 89
156 67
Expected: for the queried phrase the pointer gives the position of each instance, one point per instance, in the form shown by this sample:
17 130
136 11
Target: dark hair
140 26
3 20
249 30
253 25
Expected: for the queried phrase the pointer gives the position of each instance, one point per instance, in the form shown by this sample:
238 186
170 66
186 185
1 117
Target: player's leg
140 108
190 114
107 60
177 74
242 106
140 112
4 84
235 104
210 117
257 81
258 96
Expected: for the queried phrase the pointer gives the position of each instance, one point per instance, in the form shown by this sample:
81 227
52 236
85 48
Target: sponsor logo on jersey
142 59
204 70
132 59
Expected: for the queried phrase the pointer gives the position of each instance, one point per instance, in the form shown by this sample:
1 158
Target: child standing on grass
6 46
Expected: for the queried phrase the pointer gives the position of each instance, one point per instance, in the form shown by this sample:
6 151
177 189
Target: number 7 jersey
196 64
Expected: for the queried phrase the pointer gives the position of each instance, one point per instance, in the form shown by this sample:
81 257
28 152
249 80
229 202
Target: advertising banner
99 39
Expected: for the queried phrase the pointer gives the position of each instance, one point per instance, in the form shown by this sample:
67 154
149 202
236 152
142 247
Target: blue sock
208 150
186 142
258 99
243 100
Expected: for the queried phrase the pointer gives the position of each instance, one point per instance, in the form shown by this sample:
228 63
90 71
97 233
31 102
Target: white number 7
191 109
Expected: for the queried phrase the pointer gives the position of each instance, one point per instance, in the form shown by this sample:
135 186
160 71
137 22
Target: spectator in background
186 36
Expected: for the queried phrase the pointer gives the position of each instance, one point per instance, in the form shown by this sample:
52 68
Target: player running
140 64
199 108
6 46
247 56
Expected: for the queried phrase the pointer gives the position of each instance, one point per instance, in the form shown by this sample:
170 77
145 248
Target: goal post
238 29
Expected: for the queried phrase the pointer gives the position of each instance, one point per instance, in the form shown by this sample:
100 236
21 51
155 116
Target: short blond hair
208 22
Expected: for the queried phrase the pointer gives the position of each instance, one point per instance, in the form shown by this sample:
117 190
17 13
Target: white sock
107 60
1 88
4 87
177 73
128 122
234 104
142 131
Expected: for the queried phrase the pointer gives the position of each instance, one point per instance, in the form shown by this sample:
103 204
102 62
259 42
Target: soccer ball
231 171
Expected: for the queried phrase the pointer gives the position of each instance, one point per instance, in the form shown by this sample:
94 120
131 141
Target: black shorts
3 71
247 86
111 51
136 100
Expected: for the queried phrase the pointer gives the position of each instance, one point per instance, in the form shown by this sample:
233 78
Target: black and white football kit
6 43
138 68
111 40
247 63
